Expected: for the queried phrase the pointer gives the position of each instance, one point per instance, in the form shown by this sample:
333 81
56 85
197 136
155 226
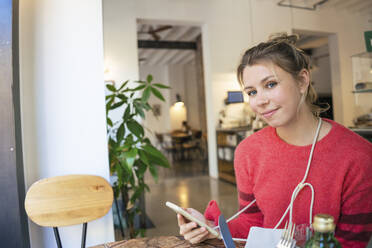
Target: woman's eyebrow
262 81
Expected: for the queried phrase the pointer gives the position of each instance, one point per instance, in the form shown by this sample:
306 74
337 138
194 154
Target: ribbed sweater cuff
212 212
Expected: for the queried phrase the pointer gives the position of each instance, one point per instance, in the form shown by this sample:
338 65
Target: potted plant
131 154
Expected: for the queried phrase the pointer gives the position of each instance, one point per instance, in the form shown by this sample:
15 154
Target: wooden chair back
68 200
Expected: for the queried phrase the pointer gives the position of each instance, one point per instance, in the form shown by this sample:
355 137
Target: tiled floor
186 184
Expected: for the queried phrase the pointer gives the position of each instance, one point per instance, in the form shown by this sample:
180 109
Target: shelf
227 177
234 130
226 160
363 55
361 130
228 146
362 91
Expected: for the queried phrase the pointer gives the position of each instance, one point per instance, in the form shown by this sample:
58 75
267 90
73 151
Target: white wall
182 79
228 29
192 100
177 81
62 102
321 76
160 124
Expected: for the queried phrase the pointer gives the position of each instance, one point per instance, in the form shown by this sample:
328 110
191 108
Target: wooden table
178 141
164 242
180 137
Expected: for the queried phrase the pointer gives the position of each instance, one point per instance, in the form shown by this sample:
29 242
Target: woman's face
273 93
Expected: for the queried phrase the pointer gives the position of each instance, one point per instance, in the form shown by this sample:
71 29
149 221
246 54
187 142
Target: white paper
263 237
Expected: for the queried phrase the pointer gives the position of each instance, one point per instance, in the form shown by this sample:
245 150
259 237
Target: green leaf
147 106
127 113
119 170
123 85
157 94
136 195
130 157
135 128
109 121
120 133
139 110
146 141
156 156
140 82
110 87
132 153
141 232
152 150
162 86
149 78
109 96
163 162
108 104
122 97
141 169
130 162
129 140
118 104
146 95
139 88
143 157
112 142
154 173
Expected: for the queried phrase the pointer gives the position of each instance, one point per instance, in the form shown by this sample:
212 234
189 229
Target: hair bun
283 37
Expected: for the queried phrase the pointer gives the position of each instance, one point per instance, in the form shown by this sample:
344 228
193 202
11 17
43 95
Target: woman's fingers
190 230
196 236
187 227
181 220
192 234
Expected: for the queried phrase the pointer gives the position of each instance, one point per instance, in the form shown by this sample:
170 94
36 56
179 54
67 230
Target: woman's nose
262 99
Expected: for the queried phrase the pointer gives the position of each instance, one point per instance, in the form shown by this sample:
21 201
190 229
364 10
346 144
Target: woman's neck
301 130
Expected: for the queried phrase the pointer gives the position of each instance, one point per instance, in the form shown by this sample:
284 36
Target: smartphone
188 216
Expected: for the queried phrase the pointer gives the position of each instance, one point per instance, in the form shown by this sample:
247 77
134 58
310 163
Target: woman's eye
251 93
271 84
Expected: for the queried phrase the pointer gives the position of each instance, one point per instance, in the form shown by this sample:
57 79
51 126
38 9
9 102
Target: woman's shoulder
348 140
257 138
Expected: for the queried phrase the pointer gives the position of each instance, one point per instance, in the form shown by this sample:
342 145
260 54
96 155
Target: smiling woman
272 175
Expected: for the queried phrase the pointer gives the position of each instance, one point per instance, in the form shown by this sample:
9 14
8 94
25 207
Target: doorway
172 54
316 45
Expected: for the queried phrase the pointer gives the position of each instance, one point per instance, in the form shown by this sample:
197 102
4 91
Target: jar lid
324 223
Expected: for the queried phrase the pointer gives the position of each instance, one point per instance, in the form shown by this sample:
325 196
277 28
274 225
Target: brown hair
282 51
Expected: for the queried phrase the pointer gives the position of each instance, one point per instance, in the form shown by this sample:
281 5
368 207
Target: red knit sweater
268 169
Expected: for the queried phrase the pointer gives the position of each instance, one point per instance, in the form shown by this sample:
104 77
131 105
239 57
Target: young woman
275 161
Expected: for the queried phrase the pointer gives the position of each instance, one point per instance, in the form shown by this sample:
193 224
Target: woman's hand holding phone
191 231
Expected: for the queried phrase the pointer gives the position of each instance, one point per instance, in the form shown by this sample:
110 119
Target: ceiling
155 32
152 31
361 7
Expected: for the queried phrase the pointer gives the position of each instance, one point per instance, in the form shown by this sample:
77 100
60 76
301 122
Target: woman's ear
304 80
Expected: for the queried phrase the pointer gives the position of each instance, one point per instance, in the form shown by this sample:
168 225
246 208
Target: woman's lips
270 113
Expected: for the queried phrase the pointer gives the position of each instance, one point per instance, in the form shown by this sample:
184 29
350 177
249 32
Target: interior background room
65 46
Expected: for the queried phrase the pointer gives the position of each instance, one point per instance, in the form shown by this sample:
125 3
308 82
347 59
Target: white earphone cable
302 184
296 191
